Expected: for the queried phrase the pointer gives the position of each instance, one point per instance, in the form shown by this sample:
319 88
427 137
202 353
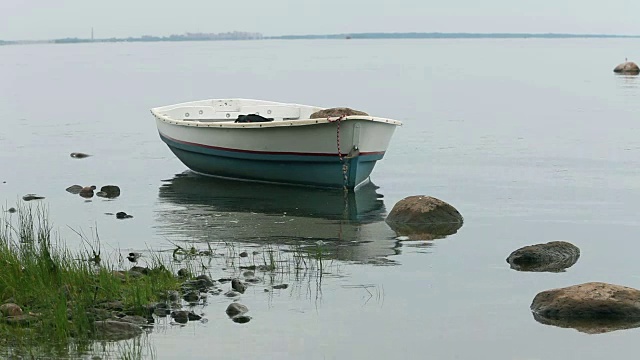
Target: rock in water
596 307
123 215
79 155
628 67
87 191
235 309
335 112
74 189
238 286
554 256
109 191
30 197
423 217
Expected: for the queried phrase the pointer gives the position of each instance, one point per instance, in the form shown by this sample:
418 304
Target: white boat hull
316 152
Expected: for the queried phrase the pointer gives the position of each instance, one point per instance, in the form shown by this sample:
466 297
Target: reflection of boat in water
212 210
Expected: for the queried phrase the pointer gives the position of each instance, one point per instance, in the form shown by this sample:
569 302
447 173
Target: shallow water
531 140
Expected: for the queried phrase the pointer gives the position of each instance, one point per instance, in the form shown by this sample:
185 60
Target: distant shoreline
238 36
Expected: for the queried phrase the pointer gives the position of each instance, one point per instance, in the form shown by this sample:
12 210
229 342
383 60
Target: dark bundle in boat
334 112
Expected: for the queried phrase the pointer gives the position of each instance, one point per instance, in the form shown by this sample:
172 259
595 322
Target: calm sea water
531 140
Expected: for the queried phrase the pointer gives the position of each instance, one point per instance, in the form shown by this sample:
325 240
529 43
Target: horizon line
344 34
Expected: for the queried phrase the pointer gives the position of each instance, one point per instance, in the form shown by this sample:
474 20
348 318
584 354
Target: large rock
116 330
595 302
424 217
553 256
335 112
628 67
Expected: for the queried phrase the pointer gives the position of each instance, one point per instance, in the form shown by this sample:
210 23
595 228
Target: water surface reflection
349 226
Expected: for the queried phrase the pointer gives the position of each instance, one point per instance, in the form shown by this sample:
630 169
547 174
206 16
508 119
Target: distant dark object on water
12 210
627 67
78 155
123 215
30 197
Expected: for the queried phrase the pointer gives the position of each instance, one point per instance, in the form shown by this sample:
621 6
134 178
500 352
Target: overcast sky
47 19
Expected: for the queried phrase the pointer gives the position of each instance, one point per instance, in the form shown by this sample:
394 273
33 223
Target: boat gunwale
157 113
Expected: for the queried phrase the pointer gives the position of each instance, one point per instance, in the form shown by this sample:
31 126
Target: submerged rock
205 281
281 286
79 155
627 67
337 111
191 297
244 254
87 191
235 309
12 210
30 197
554 256
134 319
590 302
424 218
116 330
109 191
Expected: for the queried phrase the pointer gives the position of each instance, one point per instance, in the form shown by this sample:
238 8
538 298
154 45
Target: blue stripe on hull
324 171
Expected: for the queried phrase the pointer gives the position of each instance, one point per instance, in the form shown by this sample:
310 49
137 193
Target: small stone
184 273
191 297
424 218
553 256
173 295
248 274
205 280
10 309
224 280
236 308
266 290
79 155
109 191
244 254
12 210
253 280
123 215
74 189
180 316
193 316
241 319
281 286
30 197
140 270
231 293
238 286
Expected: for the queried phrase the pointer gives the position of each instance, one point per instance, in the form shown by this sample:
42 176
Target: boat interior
221 110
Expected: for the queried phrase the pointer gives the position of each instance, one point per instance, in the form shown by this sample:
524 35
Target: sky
49 19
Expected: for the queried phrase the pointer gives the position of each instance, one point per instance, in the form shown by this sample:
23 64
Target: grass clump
63 293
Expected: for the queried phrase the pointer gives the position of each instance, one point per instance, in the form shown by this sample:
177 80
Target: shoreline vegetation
64 303
239 35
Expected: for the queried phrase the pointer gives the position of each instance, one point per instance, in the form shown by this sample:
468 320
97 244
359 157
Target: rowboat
275 142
